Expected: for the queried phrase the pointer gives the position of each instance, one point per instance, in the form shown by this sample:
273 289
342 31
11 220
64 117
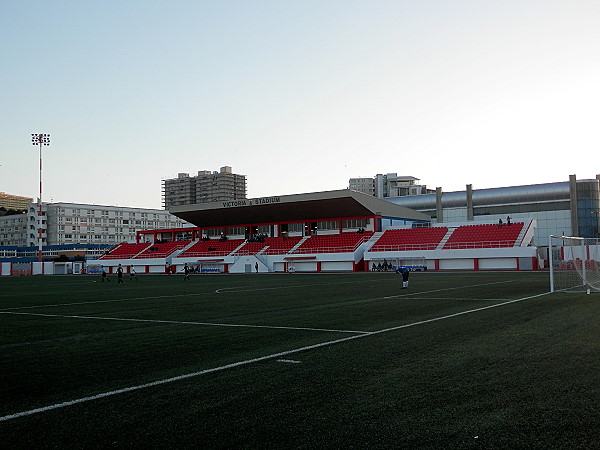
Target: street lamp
40 139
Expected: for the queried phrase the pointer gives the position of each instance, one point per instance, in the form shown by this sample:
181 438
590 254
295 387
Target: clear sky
299 96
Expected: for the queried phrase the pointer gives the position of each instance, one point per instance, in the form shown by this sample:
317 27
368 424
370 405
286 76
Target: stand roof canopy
292 208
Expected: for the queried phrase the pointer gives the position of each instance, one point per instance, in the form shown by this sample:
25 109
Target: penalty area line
454 288
92 302
278 355
182 322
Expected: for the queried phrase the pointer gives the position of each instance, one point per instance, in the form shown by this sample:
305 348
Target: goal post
574 263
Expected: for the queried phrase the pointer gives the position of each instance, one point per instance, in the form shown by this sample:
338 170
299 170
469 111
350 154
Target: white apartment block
13 230
74 223
364 185
389 185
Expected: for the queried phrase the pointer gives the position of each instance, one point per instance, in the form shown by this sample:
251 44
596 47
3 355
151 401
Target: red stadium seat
281 245
333 243
410 239
484 236
212 247
162 250
125 251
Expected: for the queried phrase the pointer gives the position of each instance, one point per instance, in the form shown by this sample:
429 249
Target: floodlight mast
40 139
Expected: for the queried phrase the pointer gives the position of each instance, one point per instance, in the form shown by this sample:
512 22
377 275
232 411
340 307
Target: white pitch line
462 313
116 300
465 299
154 297
412 294
183 322
237 289
250 361
171 380
219 291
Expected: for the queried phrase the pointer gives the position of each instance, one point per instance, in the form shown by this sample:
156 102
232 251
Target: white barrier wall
336 266
305 266
42 268
457 264
498 264
247 264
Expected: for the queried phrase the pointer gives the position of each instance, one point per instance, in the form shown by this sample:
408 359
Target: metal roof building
563 208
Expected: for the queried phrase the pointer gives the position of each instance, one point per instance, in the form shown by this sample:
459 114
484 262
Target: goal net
574 264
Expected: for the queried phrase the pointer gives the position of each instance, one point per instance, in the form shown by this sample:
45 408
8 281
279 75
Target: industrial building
564 208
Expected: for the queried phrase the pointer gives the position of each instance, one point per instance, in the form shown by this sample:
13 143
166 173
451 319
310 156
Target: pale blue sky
297 95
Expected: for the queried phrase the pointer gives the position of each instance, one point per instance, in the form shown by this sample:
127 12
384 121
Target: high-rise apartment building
364 185
389 185
206 187
16 202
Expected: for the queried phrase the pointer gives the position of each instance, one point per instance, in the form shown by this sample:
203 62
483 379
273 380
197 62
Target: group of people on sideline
381 267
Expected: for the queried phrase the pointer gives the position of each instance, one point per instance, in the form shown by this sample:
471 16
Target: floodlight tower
40 139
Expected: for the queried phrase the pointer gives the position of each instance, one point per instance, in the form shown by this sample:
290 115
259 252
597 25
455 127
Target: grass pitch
458 360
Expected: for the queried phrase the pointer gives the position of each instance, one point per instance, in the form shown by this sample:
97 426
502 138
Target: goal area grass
457 360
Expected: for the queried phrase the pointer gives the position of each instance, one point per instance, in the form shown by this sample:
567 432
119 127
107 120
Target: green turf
371 365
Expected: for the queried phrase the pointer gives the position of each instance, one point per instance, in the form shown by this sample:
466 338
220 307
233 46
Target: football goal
574 264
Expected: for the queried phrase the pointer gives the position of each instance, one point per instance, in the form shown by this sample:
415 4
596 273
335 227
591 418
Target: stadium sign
252 202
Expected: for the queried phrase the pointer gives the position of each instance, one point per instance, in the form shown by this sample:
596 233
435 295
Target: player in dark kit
120 275
104 275
405 272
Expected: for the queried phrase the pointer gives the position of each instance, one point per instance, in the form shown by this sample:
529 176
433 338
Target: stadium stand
410 239
484 236
125 251
162 250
